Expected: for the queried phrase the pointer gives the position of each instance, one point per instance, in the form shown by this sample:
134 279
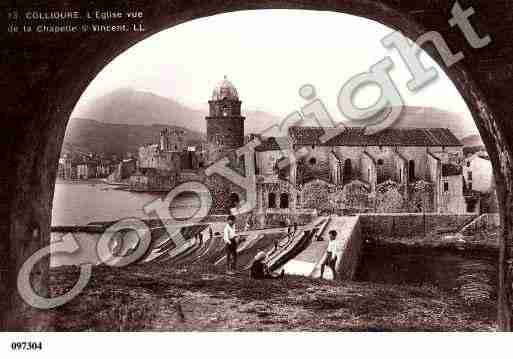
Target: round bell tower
225 125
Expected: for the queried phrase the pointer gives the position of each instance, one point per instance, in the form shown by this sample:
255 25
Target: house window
312 161
446 186
468 163
471 206
380 162
469 186
469 175
272 200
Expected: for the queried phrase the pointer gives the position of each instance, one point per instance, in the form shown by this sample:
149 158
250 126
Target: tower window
446 186
469 175
224 110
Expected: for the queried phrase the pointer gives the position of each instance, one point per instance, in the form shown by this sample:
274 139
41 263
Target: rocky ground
203 298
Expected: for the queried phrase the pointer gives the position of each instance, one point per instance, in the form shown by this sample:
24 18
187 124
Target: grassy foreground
199 298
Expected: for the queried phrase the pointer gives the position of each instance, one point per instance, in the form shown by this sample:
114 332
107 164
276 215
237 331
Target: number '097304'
21 346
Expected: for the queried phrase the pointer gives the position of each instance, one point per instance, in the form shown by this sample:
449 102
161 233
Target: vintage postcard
270 166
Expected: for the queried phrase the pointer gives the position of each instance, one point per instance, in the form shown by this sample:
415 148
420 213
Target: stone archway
40 91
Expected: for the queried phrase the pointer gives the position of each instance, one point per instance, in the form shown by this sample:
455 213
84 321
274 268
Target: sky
268 55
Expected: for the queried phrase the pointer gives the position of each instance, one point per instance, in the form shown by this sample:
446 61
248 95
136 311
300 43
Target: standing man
330 258
231 244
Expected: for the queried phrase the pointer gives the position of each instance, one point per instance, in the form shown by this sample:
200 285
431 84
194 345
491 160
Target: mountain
125 119
472 141
429 117
87 135
132 107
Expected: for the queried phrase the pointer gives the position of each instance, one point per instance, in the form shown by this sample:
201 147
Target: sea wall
350 252
410 224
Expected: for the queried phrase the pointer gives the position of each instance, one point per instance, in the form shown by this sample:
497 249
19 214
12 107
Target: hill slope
199 298
86 135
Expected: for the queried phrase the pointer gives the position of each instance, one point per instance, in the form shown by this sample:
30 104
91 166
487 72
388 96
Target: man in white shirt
330 258
231 244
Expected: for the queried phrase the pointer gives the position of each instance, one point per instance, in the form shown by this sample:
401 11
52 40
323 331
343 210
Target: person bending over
260 270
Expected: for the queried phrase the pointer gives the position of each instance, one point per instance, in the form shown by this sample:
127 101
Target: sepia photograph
272 167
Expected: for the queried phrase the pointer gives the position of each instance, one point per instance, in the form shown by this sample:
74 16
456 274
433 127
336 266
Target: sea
77 203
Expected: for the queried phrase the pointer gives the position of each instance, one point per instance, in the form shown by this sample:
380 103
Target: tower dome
225 90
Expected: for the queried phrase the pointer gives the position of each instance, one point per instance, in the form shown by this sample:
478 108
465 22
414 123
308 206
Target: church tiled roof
271 144
355 136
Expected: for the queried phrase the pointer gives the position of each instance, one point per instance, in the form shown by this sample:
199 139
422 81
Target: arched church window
347 169
234 200
411 170
271 199
284 200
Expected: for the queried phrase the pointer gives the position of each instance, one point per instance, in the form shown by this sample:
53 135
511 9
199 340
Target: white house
478 173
